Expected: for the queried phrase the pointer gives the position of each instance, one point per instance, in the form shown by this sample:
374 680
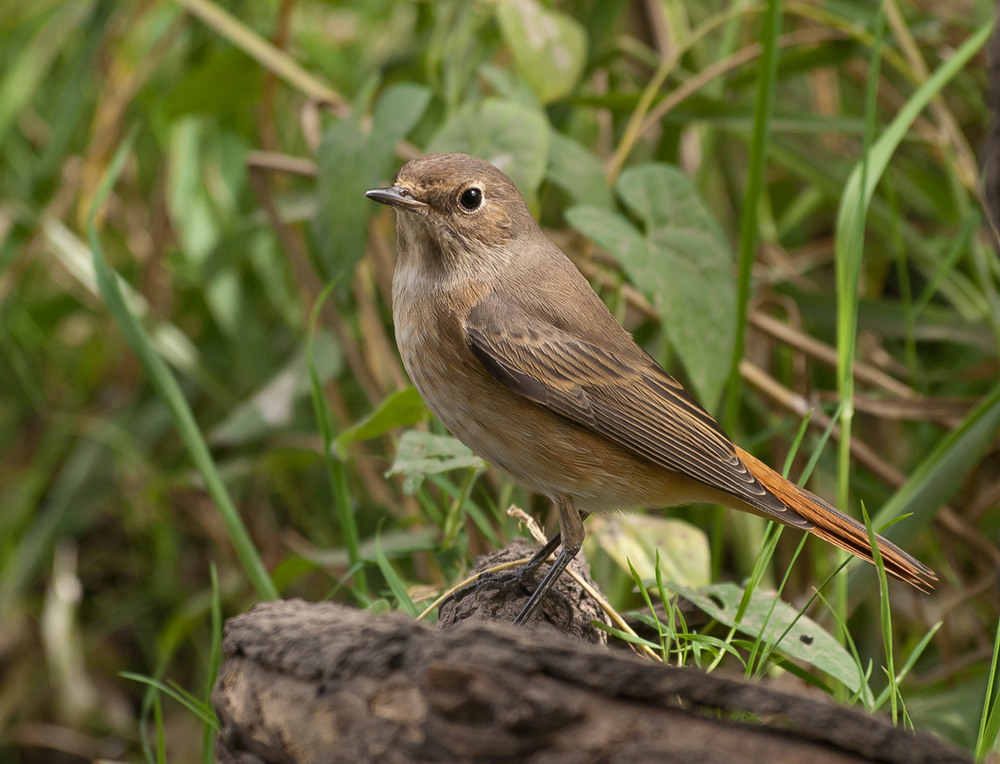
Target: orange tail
833 526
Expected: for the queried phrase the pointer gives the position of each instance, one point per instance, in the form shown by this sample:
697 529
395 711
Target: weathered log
326 683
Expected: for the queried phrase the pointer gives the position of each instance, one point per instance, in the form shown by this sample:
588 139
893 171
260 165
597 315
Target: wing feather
628 397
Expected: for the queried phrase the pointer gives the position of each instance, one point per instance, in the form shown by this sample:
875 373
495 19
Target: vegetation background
786 202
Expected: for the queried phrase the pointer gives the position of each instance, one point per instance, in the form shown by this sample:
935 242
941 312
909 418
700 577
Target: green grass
202 405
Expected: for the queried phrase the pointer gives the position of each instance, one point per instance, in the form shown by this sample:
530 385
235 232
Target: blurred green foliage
238 216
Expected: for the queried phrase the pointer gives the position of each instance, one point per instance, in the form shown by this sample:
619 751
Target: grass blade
767 76
166 385
989 725
334 464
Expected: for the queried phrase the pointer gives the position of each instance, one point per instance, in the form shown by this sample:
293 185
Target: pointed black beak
395 196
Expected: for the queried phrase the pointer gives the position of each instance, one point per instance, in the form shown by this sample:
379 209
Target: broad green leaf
420 454
398 111
681 263
636 539
401 409
549 47
805 641
344 168
350 161
512 136
578 172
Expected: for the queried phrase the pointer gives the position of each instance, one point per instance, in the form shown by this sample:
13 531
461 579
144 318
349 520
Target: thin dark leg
571 531
516 577
506 579
565 558
543 553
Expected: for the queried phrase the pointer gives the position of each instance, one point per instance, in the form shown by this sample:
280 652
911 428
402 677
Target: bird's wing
630 400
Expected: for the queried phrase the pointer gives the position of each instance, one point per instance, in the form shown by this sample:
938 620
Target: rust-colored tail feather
833 526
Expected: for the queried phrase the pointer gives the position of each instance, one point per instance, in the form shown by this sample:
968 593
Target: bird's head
463 207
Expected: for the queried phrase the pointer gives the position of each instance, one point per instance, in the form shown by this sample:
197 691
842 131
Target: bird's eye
470 199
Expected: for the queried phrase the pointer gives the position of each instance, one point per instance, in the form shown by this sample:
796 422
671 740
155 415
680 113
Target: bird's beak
395 196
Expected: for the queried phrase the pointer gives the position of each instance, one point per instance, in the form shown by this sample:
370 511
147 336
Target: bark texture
321 682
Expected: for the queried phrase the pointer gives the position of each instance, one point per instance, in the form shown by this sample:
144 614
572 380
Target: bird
516 354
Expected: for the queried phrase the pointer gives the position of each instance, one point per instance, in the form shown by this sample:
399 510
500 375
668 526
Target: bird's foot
523 576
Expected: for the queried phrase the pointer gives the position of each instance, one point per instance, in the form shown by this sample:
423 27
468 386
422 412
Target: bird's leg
506 579
572 533
543 553
509 578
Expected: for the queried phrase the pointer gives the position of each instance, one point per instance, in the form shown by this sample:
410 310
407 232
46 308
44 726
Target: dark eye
470 199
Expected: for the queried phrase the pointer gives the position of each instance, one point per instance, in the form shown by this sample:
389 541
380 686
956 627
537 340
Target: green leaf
805 641
578 172
225 85
345 171
398 111
610 230
164 382
636 539
512 136
681 263
202 711
272 406
394 545
25 74
205 178
420 454
549 47
350 161
401 409
989 724
395 582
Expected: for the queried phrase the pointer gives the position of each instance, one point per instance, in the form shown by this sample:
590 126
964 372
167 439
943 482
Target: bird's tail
833 526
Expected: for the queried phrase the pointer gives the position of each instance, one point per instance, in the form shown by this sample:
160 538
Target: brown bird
517 355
